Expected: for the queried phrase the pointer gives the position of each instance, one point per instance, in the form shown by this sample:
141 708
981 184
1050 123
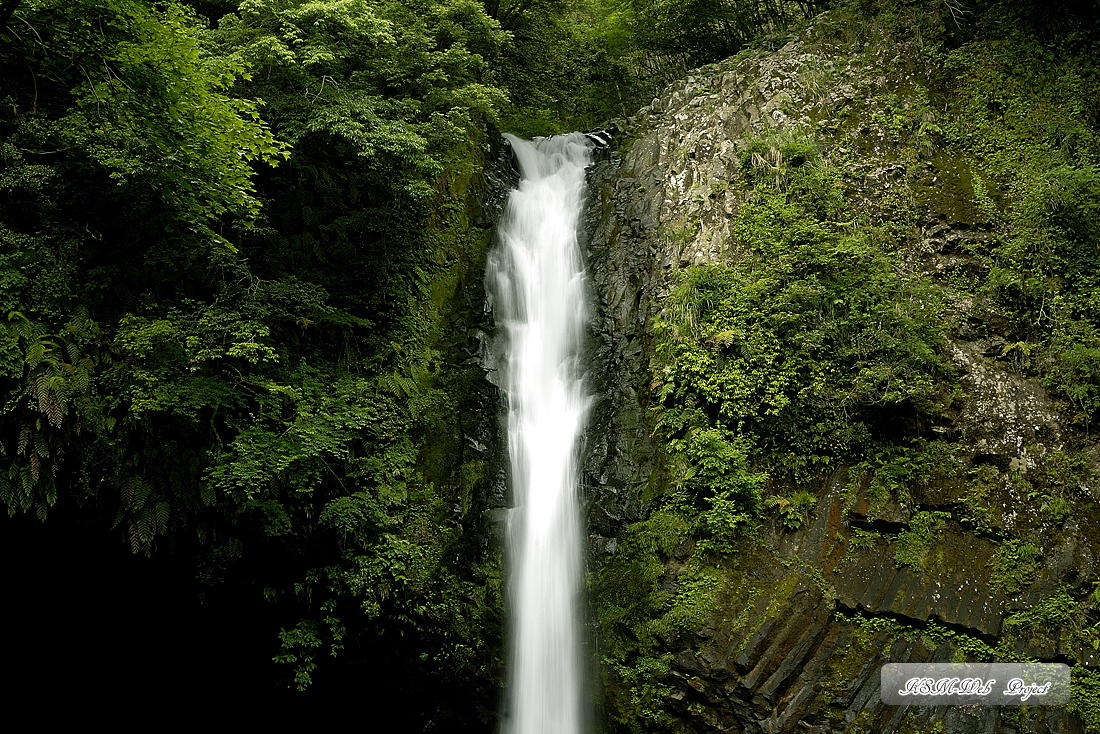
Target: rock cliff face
804 618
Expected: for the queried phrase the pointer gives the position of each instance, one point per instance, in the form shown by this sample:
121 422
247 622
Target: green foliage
720 474
53 395
673 36
1085 695
984 481
123 154
258 362
562 73
384 103
383 79
917 539
579 64
628 594
636 612
798 341
1061 621
301 644
893 470
793 509
1049 614
966 648
1015 565
862 539
143 112
1057 477
696 594
646 702
770 158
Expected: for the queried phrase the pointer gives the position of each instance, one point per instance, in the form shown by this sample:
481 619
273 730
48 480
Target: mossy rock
948 191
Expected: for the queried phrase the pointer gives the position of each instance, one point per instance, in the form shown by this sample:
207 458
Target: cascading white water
536 281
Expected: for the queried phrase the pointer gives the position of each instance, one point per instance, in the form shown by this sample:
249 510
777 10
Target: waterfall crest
537 285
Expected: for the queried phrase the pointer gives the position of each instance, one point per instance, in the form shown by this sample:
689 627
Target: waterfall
536 283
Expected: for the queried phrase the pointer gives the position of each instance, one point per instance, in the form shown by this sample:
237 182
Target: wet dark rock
489 438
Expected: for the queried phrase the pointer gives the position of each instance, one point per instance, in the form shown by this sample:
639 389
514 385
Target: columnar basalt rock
780 652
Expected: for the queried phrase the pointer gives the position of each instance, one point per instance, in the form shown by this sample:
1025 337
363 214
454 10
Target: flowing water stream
537 285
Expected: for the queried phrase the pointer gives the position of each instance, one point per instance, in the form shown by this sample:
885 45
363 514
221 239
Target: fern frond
41 447
50 489
35 353
22 326
27 482
128 488
725 338
82 379
24 440
51 401
162 513
389 383
141 492
6 491
420 375
147 525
